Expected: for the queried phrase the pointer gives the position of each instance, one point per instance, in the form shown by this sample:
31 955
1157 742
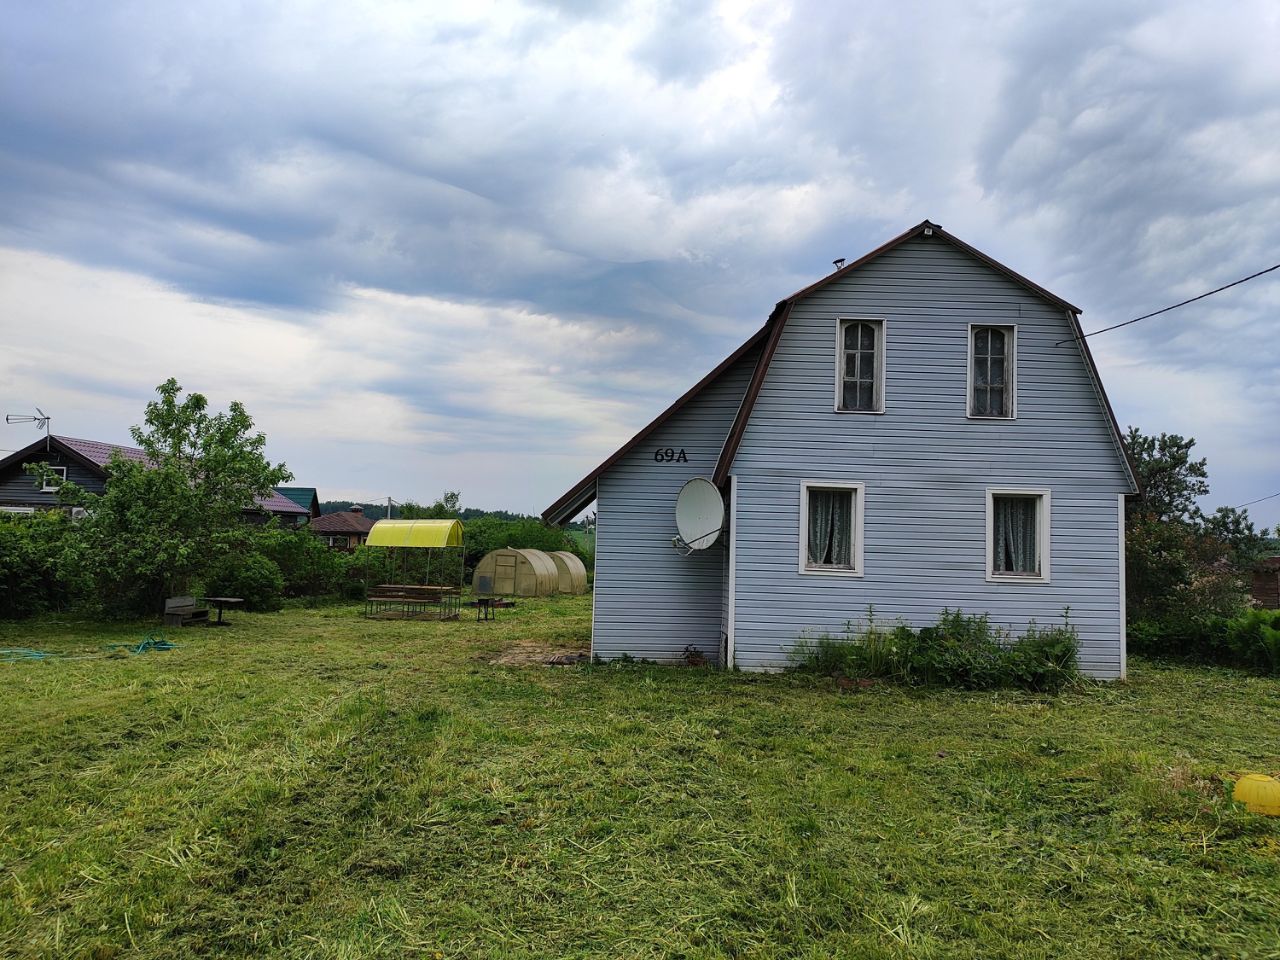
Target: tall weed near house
1044 659
864 651
960 650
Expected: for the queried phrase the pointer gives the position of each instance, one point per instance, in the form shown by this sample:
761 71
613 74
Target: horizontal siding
926 466
19 488
650 602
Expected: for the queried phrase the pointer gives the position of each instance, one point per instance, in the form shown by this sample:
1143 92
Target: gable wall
650 602
925 465
19 488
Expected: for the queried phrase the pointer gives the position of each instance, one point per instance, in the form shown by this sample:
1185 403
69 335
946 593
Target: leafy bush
958 651
310 568
1250 640
1253 640
251 576
1044 659
33 577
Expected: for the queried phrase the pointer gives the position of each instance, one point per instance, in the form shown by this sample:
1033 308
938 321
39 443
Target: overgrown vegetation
1187 571
311 784
962 651
166 520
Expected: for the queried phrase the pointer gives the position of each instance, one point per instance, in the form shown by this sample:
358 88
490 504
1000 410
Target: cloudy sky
476 246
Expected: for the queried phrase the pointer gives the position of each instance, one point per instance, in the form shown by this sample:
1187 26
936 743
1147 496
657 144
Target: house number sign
670 455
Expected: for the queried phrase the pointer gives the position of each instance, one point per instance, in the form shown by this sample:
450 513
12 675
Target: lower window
831 528
1018 534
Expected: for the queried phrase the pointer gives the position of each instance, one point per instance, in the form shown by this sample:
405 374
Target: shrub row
1251 640
958 651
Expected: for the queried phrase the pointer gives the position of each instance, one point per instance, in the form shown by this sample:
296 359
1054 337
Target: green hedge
1251 640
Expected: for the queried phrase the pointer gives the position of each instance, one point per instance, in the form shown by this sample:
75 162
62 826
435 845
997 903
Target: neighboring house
305 497
1266 583
921 429
344 530
84 462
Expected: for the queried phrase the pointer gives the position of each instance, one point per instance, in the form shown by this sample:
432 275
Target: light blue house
923 428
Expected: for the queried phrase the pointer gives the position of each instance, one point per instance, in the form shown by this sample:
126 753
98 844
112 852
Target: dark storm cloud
657 175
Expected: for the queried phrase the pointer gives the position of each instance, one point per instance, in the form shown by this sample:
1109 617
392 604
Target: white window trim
1124 613
1043 525
859 509
880 361
22 510
60 471
1011 368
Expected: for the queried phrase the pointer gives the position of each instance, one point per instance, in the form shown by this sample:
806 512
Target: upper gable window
992 369
51 484
860 367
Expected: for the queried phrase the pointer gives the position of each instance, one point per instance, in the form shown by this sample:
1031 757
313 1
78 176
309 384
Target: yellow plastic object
1259 794
416 533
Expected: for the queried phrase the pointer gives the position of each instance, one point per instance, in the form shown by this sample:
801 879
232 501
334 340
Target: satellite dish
699 515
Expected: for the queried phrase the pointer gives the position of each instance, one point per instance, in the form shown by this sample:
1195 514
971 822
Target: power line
1156 313
1270 496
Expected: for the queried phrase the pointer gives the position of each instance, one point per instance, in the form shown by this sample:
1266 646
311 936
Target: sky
477 246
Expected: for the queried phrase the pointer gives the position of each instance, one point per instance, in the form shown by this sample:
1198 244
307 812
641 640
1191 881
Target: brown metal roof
344 521
100 453
584 491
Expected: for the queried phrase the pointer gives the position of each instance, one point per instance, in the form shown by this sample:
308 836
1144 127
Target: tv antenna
41 420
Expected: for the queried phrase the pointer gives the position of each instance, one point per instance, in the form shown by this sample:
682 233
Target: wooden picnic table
220 602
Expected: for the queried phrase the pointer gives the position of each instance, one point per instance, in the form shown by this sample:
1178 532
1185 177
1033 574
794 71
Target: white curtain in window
830 528
1014 533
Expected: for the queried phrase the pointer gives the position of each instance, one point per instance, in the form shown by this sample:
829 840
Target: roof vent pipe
838 263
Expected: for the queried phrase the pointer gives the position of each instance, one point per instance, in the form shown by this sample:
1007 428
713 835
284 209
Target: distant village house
84 463
344 530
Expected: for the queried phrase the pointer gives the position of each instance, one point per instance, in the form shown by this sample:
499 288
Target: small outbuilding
512 572
571 573
1266 584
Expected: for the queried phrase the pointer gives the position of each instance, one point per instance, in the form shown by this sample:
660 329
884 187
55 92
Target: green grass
311 784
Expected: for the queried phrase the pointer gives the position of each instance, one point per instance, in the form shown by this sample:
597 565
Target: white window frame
22 510
883 345
1044 523
60 471
859 509
1011 372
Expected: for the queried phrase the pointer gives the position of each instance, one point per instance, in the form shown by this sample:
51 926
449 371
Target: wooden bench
183 611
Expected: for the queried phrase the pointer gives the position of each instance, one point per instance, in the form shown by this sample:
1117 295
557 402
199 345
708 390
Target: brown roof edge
583 492
778 319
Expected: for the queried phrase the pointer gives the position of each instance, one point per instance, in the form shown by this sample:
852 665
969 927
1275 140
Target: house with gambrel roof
923 428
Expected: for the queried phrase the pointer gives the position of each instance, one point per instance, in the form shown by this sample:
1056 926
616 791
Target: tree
163 521
1182 565
1170 480
445 508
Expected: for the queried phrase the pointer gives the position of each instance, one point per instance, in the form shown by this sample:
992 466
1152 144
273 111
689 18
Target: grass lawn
311 784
